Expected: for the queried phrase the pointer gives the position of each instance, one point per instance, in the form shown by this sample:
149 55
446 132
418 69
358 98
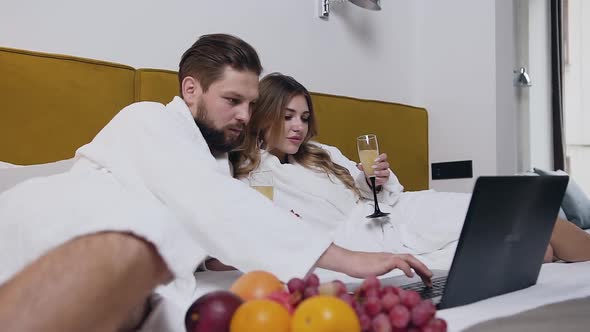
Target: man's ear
191 90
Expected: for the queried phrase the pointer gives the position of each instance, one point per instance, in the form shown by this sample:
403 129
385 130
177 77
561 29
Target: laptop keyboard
438 286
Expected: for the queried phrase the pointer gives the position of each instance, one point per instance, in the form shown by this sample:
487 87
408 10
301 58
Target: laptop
502 243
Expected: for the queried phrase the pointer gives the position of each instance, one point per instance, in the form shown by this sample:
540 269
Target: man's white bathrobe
419 222
150 172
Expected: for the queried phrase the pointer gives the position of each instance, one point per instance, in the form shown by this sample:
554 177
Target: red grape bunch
389 308
379 309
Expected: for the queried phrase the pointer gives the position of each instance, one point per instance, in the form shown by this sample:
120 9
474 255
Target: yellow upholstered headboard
52 104
156 85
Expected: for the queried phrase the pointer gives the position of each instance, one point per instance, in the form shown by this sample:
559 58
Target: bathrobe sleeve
148 147
388 194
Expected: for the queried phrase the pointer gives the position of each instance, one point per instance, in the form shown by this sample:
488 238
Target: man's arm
355 264
80 286
363 264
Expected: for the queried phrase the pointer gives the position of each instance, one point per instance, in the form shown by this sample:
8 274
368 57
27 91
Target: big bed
52 104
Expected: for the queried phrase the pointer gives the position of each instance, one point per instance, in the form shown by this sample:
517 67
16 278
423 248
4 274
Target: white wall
457 68
523 139
357 52
540 126
577 75
577 93
534 123
442 55
507 127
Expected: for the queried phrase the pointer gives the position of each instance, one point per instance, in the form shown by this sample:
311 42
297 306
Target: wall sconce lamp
367 4
522 78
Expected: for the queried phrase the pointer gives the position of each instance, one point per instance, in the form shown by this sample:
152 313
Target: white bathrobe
150 172
419 222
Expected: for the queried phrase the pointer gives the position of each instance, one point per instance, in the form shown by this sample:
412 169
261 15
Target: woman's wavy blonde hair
267 120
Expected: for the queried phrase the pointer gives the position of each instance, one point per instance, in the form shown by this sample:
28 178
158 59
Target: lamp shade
368 4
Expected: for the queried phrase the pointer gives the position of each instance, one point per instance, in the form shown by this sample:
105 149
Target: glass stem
373 186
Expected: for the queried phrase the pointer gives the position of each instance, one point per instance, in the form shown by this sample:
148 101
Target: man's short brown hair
207 59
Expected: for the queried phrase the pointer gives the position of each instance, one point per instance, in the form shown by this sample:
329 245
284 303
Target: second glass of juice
263 183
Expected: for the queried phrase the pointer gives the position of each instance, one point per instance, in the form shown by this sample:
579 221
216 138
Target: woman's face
295 127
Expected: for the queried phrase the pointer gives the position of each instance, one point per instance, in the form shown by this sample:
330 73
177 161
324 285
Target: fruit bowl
258 301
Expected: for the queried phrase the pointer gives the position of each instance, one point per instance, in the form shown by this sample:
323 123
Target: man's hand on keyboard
407 263
363 264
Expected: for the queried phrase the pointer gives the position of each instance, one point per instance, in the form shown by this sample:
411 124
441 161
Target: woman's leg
549 258
568 242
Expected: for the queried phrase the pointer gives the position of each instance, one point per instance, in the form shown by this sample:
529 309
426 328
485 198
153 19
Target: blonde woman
325 189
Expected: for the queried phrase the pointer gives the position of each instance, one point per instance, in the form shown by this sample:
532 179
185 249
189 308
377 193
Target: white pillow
11 174
4 165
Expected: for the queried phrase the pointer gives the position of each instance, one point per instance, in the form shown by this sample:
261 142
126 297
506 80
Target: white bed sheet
557 282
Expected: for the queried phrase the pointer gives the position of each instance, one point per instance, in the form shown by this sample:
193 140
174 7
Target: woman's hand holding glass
380 169
368 149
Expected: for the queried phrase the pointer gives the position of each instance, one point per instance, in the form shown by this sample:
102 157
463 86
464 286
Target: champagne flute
262 182
368 149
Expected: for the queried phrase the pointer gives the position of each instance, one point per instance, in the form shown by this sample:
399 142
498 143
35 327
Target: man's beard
215 138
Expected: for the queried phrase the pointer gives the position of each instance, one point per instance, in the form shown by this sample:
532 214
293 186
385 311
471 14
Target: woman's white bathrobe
150 172
419 222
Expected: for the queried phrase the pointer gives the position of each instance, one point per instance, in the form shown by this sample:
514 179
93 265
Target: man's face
223 112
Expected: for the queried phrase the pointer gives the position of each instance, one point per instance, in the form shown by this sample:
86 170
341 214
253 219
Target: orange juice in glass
262 182
368 149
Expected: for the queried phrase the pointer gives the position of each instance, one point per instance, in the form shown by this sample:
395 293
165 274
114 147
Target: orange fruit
256 285
260 316
324 314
